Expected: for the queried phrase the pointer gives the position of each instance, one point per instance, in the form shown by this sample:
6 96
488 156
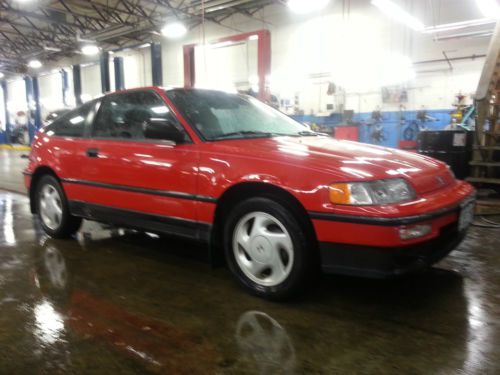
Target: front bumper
383 262
372 247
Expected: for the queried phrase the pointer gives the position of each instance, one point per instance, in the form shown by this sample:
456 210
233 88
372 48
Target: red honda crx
276 199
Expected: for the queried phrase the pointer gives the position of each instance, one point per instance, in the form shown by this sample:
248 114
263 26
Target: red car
277 200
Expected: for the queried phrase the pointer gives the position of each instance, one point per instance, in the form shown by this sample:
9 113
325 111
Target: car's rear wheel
53 210
267 248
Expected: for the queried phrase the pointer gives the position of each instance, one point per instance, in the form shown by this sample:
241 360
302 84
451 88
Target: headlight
372 193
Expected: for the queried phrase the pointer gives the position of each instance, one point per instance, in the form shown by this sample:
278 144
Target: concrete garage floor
112 301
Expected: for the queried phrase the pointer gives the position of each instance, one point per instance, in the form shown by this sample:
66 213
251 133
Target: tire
268 249
52 209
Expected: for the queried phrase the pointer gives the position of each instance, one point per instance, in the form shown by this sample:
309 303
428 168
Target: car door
131 179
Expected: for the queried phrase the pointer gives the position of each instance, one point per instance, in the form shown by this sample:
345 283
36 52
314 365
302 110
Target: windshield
218 115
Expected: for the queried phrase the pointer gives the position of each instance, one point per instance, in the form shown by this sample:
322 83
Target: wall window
125 116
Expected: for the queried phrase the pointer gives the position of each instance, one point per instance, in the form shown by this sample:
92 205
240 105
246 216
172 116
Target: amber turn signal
340 193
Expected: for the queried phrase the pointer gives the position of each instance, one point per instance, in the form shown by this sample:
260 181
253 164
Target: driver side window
126 116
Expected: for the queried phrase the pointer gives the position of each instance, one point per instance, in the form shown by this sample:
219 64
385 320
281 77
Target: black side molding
163 193
141 220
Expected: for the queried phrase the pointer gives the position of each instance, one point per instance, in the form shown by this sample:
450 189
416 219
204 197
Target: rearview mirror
163 129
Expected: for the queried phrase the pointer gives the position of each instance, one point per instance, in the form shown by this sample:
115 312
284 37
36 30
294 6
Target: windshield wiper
309 133
254 133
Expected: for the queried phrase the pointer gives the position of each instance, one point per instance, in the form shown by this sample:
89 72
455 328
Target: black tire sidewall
301 263
65 226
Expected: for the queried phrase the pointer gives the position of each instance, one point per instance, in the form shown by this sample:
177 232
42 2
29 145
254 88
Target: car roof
162 88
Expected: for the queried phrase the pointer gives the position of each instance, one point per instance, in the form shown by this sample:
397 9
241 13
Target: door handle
92 152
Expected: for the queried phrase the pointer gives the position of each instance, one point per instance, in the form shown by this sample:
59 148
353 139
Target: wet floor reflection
266 342
119 301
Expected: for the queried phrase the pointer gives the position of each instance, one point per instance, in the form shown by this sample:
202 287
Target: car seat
206 122
134 122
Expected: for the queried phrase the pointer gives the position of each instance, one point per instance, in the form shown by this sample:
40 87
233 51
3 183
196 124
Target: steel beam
156 66
119 76
5 134
30 100
105 78
77 83
64 87
37 110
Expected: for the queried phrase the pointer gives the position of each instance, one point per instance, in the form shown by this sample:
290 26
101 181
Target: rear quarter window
72 124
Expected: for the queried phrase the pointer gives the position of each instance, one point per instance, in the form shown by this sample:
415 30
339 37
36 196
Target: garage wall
51 97
360 51
91 81
227 67
17 98
136 66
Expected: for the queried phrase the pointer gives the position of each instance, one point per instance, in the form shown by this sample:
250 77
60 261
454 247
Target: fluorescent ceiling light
174 30
226 43
90 50
76 120
35 64
489 8
161 110
398 14
458 25
306 6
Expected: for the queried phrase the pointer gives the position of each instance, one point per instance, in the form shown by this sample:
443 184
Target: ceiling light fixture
489 8
459 25
1 75
90 50
174 30
306 6
35 64
398 14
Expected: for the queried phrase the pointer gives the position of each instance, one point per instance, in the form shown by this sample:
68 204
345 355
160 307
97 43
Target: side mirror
163 129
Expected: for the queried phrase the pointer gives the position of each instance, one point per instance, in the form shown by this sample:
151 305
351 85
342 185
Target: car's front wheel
53 210
267 248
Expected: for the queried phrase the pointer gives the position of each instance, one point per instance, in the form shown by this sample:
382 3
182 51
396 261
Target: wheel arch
35 177
245 190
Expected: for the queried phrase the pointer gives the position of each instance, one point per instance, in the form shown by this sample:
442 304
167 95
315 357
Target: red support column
264 63
263 59
189 71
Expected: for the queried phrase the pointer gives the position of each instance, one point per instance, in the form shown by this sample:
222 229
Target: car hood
345 160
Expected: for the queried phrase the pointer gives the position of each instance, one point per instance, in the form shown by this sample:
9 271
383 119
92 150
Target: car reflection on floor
158 346
119 301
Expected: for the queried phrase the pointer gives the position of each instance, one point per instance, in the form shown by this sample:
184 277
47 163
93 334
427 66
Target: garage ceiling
52 29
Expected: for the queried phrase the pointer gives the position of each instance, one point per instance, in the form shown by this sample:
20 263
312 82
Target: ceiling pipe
470 57
474 34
